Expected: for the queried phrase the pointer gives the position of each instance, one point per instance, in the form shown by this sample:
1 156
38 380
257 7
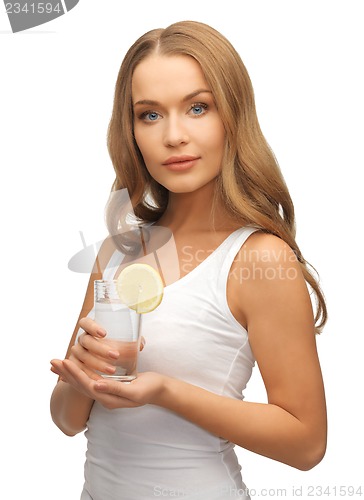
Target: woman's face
176 124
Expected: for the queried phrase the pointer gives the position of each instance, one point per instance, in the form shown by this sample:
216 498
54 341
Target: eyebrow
186 98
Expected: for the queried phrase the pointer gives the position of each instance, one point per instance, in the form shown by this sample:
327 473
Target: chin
181 190
181 186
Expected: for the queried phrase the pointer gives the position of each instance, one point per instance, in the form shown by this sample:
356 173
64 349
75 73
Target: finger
117 388
53 370
57 368
87 386
90 372
114 394
92 328
79 378
91 360
90 363
96 347
61 368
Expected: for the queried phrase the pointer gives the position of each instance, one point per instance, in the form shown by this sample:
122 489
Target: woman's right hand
91 354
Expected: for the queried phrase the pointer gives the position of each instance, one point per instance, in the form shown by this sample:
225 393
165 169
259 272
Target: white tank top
150 452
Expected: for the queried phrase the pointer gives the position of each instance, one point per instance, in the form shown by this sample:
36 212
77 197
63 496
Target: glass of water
122 326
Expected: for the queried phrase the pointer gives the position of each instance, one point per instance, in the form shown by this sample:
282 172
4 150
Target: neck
194 212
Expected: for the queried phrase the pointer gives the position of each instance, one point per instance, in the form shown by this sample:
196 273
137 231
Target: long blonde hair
250 184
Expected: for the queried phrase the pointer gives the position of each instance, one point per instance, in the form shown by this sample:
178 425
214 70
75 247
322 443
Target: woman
185 141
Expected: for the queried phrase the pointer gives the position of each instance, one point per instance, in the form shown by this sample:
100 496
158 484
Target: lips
180 163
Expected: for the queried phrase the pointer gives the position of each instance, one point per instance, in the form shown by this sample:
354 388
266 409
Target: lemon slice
140 287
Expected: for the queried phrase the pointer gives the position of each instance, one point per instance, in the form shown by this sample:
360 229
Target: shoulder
266 279
267 256
267 246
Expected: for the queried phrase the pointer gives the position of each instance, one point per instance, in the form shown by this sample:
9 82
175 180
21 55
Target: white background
56 90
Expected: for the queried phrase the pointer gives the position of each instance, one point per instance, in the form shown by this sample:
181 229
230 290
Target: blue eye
151 116
198 109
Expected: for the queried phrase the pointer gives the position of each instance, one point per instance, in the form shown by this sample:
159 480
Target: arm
70 408
275 305
276 309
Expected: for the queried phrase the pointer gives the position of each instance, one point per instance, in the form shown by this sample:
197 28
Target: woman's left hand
145 389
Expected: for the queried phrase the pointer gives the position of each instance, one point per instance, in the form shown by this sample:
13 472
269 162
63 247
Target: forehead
160 77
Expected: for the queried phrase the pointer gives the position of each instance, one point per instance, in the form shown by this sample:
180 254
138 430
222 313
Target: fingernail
101 333
114 354
109 369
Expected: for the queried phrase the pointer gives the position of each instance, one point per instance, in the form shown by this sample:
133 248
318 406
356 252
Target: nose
175 132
